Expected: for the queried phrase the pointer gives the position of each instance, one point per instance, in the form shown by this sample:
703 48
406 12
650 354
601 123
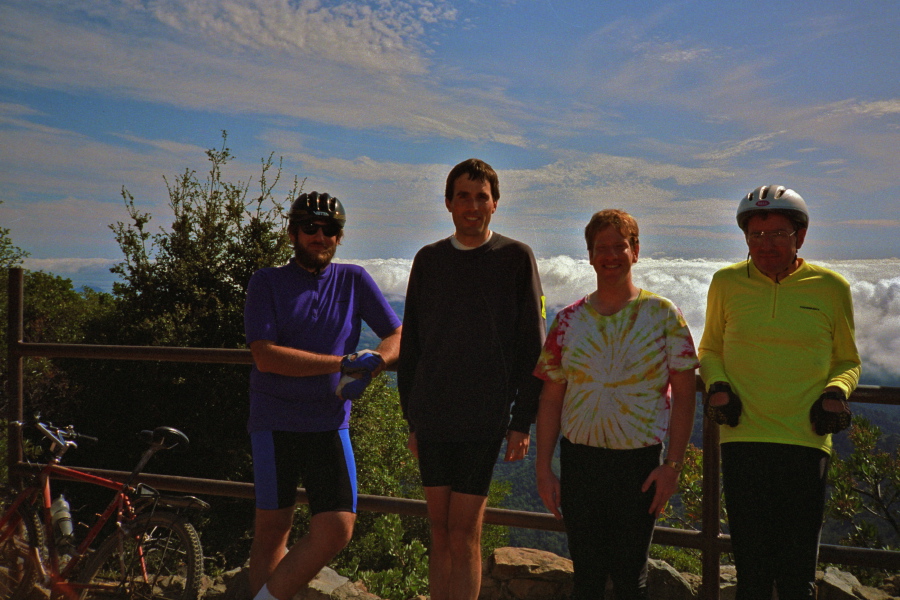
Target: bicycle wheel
157 556
21 539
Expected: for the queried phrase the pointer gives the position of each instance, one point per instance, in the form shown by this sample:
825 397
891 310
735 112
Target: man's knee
440 535
465 538
343 534
272 527
333 528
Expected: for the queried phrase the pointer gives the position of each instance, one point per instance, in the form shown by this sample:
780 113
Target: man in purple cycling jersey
302 323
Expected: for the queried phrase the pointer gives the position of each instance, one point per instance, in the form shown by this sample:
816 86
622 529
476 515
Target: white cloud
591 170
635 112
875 286
67 266
730 150
351 64
75 226
391 274
384 36
878 108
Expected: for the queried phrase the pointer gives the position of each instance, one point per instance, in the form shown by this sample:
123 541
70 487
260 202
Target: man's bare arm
389 349
282 360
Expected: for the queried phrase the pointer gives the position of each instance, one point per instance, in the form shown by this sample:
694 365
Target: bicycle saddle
167 437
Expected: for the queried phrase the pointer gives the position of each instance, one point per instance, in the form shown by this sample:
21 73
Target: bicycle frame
56 579
127 505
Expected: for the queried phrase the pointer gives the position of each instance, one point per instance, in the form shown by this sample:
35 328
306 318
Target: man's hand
516 445
357 371
351 387
666 480
364 361
830 413
413 444
549 490
722 406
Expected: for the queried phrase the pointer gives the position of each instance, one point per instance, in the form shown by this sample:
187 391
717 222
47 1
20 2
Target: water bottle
62 521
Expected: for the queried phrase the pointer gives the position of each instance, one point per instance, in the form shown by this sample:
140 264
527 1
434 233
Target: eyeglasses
779 237
328 229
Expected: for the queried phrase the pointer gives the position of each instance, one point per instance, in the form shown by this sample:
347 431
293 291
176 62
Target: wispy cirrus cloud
353 64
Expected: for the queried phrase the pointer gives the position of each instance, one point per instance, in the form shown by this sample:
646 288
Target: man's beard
314 261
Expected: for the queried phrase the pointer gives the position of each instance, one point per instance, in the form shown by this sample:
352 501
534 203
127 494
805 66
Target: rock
665 582
352 591
524 563
840 585
526 574
327 585
892 585
322 586
727 582
837 585
237 586
532 589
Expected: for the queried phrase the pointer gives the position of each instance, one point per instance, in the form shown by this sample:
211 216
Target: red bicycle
153 551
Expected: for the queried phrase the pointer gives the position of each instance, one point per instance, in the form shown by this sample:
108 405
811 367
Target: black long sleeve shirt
473 328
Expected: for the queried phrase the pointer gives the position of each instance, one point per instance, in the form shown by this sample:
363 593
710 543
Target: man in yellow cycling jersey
779 360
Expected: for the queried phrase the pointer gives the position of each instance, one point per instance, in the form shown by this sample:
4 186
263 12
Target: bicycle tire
18 568
172 553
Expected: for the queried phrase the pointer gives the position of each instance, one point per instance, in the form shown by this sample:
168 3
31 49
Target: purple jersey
319 313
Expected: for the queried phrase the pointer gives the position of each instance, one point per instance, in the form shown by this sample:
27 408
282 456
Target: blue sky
670 110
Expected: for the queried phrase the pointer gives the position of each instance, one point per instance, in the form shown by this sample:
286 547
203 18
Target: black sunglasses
328 229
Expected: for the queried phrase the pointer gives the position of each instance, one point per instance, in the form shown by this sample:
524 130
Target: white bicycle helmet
776 198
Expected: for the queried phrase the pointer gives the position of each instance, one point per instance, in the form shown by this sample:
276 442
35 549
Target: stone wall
525 574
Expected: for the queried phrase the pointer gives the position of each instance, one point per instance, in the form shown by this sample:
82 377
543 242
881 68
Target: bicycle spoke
160 559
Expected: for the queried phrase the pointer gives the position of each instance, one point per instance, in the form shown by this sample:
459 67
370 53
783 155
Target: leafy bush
406 573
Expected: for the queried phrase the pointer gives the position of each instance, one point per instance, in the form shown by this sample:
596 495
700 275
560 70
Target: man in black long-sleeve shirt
473 330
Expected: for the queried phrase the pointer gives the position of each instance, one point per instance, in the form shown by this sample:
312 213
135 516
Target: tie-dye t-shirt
616 370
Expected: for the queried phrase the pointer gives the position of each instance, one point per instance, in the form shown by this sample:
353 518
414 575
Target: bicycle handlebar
63 436
161 438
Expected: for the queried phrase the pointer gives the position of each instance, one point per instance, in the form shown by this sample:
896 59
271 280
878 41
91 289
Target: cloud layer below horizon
875 285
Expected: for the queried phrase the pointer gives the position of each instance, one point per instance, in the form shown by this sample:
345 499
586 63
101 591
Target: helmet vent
773 197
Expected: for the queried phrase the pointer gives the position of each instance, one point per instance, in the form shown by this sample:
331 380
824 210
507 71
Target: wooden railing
709 539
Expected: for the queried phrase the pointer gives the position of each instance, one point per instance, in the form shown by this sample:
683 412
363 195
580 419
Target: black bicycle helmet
317 206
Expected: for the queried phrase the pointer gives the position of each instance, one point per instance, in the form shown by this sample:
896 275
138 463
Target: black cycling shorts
322 461
465 466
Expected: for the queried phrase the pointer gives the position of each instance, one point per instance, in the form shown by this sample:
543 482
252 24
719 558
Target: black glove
827 421
727 414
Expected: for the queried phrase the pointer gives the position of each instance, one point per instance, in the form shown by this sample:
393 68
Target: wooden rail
709 540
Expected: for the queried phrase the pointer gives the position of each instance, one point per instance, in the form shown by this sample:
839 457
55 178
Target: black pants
607 517
775 495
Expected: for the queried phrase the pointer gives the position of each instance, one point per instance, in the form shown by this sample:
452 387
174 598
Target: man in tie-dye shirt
618 369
